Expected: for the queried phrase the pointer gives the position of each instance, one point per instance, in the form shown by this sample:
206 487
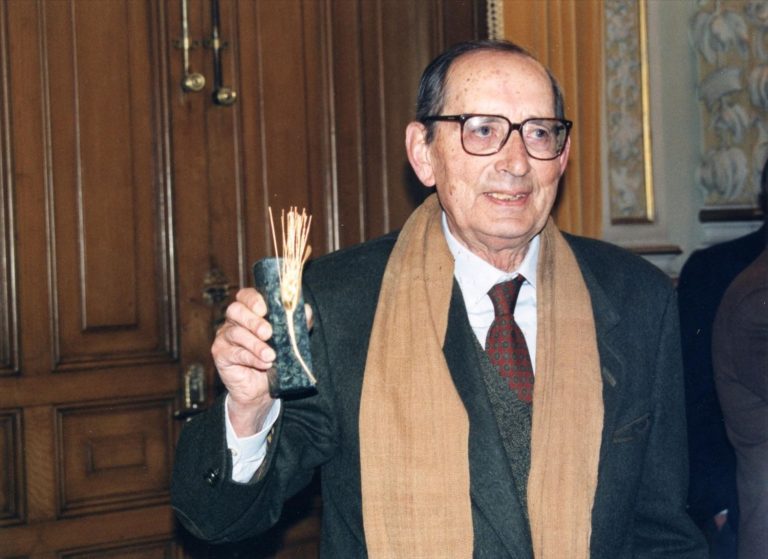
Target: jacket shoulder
350 267
720 263
616 269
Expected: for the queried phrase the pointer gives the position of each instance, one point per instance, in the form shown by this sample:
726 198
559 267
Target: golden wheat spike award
278 279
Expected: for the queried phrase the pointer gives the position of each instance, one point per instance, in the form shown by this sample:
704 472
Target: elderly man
486 386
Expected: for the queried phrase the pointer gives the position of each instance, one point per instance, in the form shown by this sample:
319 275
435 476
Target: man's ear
418 152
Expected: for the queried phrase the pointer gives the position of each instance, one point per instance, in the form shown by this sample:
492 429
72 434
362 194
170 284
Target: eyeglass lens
542 138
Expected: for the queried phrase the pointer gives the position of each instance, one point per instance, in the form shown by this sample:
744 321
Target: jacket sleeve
217 509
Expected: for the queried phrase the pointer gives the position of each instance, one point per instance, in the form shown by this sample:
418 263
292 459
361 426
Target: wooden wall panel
40 466
269 148
27 174
400 81
346 68
374 93
378 50
199 194
460 20
8 310
109 289
11 473
219 138
114 456
284 131
88 533
319 132
130 550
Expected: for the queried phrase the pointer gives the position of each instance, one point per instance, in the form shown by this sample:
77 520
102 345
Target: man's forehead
493 65
479 69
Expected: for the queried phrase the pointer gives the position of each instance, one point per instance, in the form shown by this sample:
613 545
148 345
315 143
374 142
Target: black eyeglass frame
463 118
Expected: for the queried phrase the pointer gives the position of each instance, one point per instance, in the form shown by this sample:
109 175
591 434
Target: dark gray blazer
639 507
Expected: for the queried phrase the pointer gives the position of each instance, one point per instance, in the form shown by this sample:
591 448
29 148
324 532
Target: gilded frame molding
628 119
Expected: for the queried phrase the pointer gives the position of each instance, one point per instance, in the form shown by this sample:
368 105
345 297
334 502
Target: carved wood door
132 204
93 316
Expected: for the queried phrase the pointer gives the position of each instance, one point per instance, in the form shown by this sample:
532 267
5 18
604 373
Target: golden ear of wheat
296 250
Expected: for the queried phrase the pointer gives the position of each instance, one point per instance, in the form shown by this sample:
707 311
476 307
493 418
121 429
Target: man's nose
513 157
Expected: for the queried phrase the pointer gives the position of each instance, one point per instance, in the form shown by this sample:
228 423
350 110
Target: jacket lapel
609 344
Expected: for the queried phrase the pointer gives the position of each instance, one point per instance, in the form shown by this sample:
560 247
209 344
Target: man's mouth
507 197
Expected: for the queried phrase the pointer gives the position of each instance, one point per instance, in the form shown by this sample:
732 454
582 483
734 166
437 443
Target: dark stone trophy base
287 378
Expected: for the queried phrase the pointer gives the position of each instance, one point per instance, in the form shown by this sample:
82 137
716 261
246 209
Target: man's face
495 204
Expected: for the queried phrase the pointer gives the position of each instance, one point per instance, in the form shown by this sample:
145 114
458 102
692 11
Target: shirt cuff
248 452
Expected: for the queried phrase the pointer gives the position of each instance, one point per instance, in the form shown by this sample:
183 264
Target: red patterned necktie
505 343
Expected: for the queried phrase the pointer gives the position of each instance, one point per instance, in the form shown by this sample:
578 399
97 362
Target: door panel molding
111 290
113 455
12 473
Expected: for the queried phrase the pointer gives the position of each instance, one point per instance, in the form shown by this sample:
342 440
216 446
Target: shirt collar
476 276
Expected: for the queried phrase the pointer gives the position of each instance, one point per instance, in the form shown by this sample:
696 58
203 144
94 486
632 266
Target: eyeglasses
543 138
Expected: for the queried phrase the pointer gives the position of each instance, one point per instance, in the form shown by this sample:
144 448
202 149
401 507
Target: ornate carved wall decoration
630 176
731 41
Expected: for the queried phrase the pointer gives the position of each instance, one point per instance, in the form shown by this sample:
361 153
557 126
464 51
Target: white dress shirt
475 277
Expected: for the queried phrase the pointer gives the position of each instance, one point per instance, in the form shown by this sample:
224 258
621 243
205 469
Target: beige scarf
413 426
